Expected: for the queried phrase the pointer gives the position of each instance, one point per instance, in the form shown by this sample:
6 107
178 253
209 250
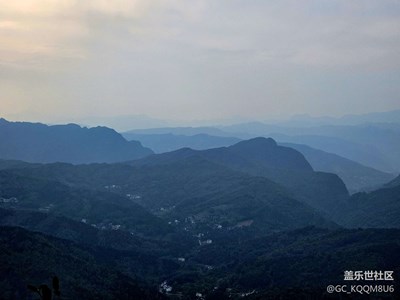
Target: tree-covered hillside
33 258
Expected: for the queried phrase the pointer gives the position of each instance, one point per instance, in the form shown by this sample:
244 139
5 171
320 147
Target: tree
44 292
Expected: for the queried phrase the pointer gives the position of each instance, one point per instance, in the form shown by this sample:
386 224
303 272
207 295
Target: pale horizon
122 122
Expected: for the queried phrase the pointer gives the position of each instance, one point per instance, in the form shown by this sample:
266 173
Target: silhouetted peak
267 152
259 142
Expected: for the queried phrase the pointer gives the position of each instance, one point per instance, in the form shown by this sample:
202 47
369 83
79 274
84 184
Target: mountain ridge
37 142
356 176
263 157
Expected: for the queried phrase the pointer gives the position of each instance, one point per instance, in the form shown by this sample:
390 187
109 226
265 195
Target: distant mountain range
248 217
351 119
356 176
143 122
167 142
306 174
123 122
375 145
272 176
189 131
35 142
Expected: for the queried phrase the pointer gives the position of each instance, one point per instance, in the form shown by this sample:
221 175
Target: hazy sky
211 59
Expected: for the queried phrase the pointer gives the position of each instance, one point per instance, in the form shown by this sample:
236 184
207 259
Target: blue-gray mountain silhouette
35 142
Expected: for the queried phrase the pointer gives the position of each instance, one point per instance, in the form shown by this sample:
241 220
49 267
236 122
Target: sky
197 60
